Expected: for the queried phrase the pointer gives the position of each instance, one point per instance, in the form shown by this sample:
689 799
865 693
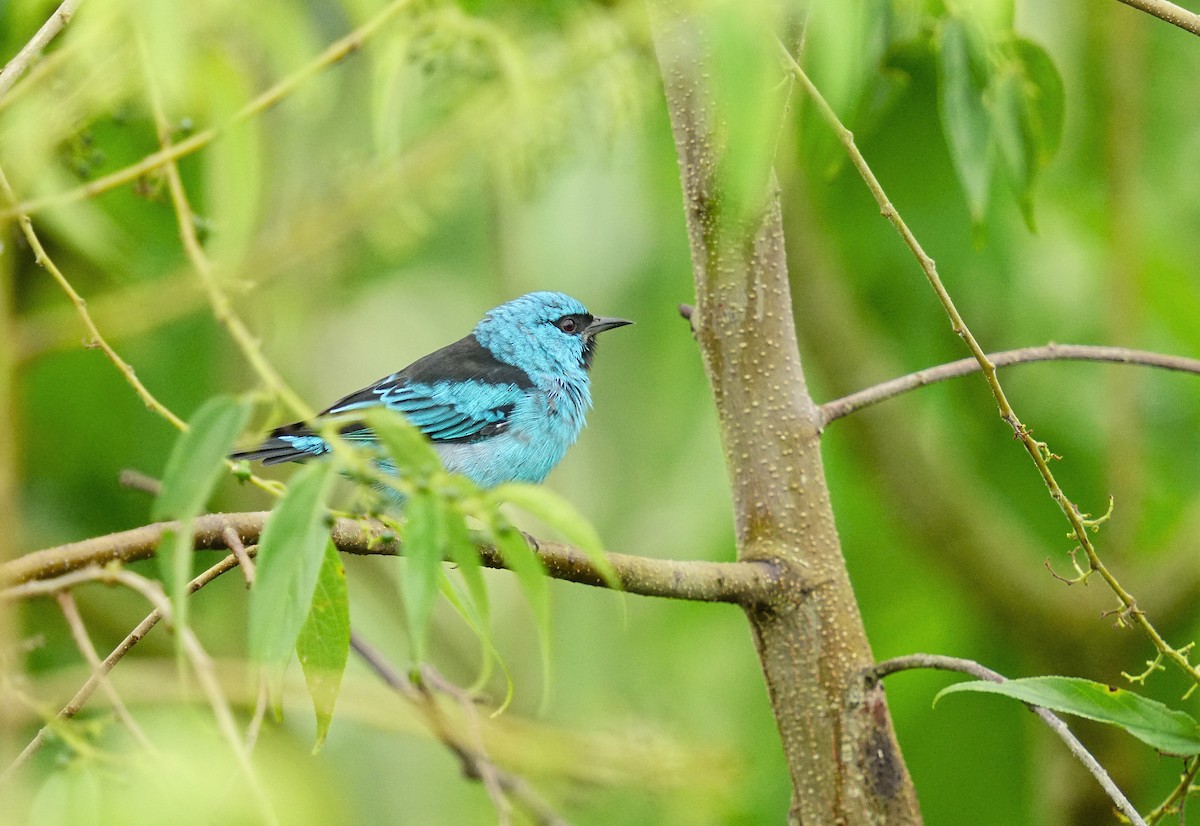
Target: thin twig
1171 13
1039 452
50 29
83 642
221 306
334 53
742 583
474 763
913 661
96 339
836 409
77 702
136 480
487 771
202 666
1176 800
234 543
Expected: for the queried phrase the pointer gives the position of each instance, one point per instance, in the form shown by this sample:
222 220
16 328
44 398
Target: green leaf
192 471
324 642
195 463
1007 106
962 78
404 443
561 515
424 537
470 597
461 550
1045 99
1168 730
1027 110
290 554
531 575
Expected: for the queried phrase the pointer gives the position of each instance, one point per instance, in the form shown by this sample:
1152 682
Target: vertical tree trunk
841 751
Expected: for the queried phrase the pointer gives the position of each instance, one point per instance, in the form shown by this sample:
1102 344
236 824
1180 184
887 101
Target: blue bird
501 405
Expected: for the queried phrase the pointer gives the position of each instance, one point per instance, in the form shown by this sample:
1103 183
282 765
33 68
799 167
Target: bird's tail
291 443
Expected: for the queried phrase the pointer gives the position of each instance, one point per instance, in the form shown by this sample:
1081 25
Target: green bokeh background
472 153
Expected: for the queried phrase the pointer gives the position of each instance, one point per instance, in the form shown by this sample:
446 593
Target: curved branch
836 409
1171 13
742 583
883 669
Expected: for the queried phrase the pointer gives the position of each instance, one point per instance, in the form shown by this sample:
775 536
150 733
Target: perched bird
501 405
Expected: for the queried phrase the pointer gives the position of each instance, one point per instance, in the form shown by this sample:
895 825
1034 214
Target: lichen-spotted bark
837 737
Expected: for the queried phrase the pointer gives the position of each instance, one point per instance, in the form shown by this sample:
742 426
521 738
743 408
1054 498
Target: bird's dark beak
599 325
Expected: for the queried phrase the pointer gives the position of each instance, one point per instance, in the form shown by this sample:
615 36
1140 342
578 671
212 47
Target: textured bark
837 736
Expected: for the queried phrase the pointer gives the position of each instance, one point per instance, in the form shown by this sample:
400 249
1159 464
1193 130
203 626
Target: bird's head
543 333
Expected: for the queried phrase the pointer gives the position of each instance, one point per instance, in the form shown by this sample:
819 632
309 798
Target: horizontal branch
836 409
742 583
981 672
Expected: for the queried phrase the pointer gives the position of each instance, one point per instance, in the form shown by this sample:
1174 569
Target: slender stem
89 687
333 54
1039 452
475 762
202 666
54 24
1178 795
96 338
982 672
234 543
83 642
221 306
1171 13
836 409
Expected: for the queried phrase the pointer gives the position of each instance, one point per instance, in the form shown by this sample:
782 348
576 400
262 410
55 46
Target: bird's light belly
515 456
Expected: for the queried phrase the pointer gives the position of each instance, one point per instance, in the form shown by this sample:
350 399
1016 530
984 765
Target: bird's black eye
568 324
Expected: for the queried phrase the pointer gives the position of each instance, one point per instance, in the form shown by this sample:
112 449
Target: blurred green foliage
468 153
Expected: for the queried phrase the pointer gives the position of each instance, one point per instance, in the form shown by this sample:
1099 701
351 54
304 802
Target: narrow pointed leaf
192 471
1168 730
290 554
424 537
473 604
324 642
1045 99
561 515
965 119
461 551
531 574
